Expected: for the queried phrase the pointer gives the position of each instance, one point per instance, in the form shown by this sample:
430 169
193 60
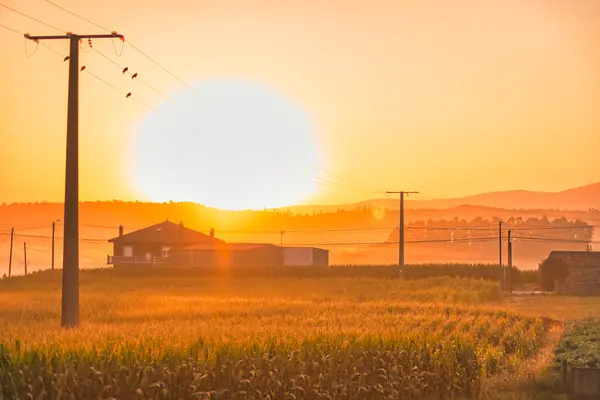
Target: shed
250 255
230 254
584 271
305 256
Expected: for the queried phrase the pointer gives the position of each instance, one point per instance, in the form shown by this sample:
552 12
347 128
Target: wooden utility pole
25 256
70 273
500 251
53 229
12 235
510 265
401 226
500 240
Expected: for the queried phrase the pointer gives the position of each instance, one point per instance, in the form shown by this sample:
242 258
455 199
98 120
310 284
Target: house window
165 251
127 251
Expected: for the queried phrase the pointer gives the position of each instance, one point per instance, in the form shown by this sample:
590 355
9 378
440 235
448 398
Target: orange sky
445 97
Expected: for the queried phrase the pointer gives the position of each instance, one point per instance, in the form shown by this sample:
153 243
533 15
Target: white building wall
298 256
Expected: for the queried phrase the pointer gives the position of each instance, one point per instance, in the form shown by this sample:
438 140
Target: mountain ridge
574 199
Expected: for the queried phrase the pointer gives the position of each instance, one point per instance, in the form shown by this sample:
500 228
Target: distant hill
581 198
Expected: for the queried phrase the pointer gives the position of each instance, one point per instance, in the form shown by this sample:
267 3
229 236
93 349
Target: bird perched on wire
125 69
128 95
134 76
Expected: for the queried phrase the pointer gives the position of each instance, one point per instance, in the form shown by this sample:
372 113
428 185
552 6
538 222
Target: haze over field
447 98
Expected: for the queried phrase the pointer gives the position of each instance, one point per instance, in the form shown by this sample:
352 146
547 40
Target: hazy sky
445 97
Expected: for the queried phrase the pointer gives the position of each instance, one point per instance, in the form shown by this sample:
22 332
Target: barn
583 271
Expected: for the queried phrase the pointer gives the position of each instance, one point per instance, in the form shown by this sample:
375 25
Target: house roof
168 233
227 247
578 258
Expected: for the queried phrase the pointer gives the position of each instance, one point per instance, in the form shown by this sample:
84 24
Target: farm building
583 271
169 243
153 245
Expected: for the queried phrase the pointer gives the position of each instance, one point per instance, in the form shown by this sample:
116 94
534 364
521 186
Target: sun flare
228 144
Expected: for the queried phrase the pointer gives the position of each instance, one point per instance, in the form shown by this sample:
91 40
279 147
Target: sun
228 144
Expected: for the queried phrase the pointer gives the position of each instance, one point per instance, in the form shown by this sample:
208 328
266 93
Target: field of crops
580 345
161 336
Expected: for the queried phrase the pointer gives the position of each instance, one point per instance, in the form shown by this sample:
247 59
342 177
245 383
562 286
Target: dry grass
557 307
454 331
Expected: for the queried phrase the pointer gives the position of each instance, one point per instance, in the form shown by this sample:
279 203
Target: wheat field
183 336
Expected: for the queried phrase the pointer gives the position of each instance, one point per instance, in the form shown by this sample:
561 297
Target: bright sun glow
232 145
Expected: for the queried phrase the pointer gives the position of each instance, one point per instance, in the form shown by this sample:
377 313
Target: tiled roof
578 258
167 232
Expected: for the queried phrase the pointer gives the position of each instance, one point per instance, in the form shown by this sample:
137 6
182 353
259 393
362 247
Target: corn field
143 337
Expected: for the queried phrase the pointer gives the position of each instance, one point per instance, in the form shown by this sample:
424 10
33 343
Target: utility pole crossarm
70 35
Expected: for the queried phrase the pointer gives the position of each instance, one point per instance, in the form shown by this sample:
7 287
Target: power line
161 67
542 228
11 30
59 238
77 15
544 239
446 228
128 42
370 188
328 184
48 251
32 18
131 74
127 95
53 51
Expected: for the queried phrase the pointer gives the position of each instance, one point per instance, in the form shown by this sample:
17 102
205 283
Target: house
583 271
170 243
154 244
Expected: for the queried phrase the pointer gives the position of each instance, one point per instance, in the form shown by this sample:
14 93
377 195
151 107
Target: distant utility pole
12 235
25 256
500 249
70 273
500 240
401 225
53 229
281 238
510 265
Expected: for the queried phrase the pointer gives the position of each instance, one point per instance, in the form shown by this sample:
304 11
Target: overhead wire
84 69
32 18
541 228
77 15
557 240
127 95
161 66
131 74
367 187
125 42
11 30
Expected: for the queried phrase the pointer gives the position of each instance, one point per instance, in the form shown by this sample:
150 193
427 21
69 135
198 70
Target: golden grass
429 336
